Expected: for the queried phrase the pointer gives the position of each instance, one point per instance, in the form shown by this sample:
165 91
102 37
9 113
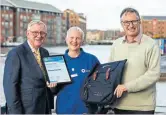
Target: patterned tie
38 59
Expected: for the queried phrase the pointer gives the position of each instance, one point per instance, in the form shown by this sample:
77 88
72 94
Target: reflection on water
102 53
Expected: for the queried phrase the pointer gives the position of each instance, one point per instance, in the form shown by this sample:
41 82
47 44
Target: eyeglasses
36 33
133 22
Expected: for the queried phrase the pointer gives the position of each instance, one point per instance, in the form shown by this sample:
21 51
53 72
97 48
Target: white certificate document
56 69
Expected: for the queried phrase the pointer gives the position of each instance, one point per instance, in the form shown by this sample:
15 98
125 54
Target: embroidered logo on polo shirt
83 70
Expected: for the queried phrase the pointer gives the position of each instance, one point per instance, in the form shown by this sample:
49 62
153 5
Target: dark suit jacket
24 84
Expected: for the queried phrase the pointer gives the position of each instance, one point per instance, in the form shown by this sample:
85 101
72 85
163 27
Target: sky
105 14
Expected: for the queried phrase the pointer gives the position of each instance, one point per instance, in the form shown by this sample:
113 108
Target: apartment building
154 26
75 19
16 14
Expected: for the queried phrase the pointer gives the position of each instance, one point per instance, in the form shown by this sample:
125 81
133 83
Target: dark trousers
95 109
120 111
47 109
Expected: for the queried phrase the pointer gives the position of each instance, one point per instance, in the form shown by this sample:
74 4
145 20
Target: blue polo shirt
68 99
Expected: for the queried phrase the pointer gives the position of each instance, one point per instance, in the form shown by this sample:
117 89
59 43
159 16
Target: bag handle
95 75
94 68
107 74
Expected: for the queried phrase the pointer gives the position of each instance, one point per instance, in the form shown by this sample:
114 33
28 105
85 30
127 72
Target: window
10 9
7 8
24 18
7 32
6 16
21 16
2 8
3 32
18 9
11 24
3 23
23 10
21 33
24 25
6 24
21 24
11 32
11 16
26 10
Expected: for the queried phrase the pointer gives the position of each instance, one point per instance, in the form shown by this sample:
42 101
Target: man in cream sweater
137 93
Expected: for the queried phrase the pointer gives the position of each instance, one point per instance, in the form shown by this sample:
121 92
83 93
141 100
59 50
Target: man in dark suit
25 82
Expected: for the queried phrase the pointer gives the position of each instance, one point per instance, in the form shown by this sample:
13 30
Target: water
102 53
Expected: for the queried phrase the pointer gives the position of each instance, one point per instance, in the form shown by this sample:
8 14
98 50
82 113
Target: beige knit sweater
142 71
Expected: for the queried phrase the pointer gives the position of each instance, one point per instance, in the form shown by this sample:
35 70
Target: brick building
16 14
154 26
75 19
94 35
6 20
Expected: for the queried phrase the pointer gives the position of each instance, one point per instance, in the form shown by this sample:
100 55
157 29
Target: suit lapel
33 61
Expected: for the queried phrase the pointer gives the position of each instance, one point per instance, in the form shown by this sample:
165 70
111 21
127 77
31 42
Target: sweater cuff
127 87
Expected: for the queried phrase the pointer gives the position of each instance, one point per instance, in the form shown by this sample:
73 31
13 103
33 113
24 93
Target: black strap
99 109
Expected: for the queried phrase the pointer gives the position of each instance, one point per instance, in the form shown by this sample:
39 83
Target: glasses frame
133 22
36 33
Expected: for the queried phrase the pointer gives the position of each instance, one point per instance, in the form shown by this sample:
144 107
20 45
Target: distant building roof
153 17
81 15
5 3
34 5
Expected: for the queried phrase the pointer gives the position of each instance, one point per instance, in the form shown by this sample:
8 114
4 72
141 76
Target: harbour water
102 53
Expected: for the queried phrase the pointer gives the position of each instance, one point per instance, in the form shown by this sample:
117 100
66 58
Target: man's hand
119 90
51 85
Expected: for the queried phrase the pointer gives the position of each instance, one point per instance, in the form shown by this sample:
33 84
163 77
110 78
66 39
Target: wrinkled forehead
129 16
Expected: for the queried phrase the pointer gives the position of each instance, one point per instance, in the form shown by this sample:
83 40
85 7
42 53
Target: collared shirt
32 49
137 39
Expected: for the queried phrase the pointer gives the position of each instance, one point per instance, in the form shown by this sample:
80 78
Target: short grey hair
36 22
77 29
131 10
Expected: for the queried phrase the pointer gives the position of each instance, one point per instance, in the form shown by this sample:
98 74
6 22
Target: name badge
74 75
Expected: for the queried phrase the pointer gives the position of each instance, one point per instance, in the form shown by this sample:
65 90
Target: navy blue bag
99 86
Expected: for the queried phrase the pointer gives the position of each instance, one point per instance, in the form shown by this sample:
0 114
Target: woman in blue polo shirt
79 65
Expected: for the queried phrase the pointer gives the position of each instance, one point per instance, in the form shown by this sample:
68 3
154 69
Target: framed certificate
56 69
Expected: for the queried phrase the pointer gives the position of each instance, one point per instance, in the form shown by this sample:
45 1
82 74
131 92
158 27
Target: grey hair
77 29
36 22
131 10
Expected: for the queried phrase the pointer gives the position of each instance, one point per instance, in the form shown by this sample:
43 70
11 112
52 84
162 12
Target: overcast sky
104 14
